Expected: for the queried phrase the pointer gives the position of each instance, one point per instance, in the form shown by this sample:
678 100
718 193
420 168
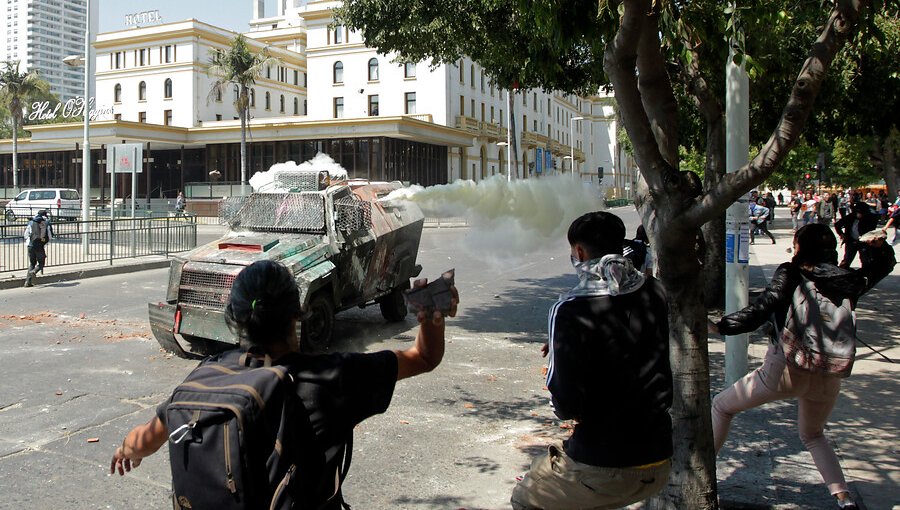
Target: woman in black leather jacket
815 258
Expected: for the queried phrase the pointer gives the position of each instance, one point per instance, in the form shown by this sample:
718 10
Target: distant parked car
59 202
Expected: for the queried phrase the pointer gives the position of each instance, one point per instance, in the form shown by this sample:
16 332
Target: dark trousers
763 228
36 257
851 248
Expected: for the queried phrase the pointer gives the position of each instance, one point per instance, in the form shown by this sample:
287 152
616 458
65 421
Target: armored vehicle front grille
275 212
201 288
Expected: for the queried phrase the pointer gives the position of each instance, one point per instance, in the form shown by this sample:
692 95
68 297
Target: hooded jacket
833 282
609 365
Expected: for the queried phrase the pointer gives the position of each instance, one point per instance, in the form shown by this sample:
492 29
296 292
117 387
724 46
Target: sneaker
847 504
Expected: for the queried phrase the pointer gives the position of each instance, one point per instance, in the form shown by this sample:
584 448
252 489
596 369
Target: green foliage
692 160
18 90
794 166
240 66
851 164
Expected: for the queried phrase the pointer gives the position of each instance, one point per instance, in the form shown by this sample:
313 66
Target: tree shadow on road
520 311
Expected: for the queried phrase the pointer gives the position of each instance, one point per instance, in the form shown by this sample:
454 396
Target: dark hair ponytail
816 245
264 301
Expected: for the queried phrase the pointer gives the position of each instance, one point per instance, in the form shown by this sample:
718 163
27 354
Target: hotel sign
42 110
142 18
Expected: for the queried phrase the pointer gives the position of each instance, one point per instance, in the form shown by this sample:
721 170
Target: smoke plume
508 219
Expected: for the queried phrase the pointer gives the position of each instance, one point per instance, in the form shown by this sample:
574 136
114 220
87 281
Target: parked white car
59 203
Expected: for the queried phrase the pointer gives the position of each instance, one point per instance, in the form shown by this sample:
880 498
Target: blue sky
230 14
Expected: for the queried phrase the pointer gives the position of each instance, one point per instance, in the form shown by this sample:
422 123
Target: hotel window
117 116
268 101
169 53
281 104
218 116
373 105
167 88
296 106
252 98
296 77
482 81
142 116
167 117
142 91
472 108
218 94
482 112
525 98
409 70
337 73
338 34
472 75
236 92
462 105
462 73
410 103
525 122
305 111
117 93
120 62
338 107
502 118
373 69
492 114
143 55
269 72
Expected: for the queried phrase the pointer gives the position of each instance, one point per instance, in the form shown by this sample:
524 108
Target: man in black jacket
609 372
861 220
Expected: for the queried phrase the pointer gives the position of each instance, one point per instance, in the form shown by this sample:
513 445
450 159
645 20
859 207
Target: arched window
338 72
281 104
268 101
237 93
117 93
296 106
167 88
142 91
252 98
373 69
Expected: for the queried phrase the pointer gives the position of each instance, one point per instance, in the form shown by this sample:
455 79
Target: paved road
79 364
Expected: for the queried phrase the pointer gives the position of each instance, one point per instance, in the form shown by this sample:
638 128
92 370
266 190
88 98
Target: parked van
59 203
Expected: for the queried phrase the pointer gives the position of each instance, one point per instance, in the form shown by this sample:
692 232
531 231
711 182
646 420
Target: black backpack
236 431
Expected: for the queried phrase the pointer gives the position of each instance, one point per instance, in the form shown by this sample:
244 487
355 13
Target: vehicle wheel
10 216
316 330
393 306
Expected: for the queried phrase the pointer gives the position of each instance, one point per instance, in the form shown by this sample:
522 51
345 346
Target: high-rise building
41 34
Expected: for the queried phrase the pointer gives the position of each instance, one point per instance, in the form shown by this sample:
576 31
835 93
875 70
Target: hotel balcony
468 124
532 139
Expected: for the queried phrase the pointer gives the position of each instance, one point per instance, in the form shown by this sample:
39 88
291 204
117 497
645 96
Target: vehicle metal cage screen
352 214
275 212
206 289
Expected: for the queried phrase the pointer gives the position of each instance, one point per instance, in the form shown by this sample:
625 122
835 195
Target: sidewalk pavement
764 465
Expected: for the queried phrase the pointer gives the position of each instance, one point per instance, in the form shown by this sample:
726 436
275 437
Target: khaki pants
556 482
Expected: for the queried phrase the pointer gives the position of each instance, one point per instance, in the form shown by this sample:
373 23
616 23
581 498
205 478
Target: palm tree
16 89
239 66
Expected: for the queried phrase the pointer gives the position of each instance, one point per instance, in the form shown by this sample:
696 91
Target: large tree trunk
885 153
714 229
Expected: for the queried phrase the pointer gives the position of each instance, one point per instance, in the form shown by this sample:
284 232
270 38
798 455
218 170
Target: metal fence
106 240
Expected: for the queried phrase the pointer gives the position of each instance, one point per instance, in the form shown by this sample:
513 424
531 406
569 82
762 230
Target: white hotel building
328 93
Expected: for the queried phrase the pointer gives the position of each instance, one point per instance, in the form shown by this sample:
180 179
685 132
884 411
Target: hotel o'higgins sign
42 110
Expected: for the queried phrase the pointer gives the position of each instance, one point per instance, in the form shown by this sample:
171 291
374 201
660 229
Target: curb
13 283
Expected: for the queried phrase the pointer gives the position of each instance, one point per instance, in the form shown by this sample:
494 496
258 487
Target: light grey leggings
774 380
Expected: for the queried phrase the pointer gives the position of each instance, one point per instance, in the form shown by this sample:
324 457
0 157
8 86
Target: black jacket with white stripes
609 370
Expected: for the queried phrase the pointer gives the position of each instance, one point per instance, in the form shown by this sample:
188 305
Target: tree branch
842 23
656 91
619 62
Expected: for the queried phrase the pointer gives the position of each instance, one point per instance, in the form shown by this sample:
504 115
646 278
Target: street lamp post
75 61
508 160
572 122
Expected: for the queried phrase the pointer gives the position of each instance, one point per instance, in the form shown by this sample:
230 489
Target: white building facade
40 34
327 93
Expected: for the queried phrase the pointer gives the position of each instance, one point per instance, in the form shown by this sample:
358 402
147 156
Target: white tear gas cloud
263 181
508 219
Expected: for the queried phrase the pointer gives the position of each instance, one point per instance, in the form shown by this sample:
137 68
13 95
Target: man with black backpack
37 234
267 426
